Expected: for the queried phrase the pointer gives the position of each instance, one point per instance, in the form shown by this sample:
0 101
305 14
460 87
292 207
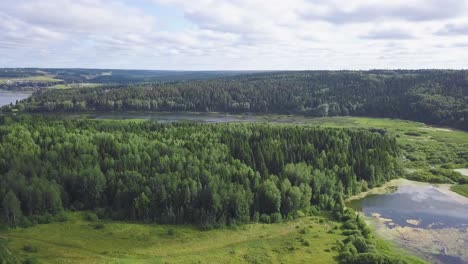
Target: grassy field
42 78
424 146
305 240
460 189
77 241
79 85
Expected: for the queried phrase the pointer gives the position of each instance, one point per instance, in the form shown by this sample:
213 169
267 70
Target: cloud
391 33
371 11
454 29
80 16
232 34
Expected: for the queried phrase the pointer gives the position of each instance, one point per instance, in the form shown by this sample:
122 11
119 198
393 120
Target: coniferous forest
437 97
184 173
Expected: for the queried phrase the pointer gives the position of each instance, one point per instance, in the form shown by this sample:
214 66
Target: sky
235 34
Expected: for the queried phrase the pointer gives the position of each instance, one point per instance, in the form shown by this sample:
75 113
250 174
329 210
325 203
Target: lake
7 97
427 219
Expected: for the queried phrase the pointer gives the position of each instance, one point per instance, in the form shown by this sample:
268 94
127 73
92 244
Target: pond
430 220
7 97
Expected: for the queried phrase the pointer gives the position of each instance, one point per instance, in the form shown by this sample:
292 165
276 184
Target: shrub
99 226
30 248
61 217
30 261
170 232
275 218
92 217
256 217
264 218
25 222
413 133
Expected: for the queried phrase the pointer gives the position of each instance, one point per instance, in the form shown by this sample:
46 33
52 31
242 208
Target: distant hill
115 76
436 97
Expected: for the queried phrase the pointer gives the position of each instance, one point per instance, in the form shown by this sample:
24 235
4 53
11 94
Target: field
44 78
78 85
77 241
306 240
424 146
460 189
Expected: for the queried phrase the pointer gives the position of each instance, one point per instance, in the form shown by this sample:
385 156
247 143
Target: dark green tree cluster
185 172
359 245
432 96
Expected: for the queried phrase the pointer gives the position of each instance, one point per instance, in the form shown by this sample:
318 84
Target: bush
350 225
25 222
412 133
61 217
92 217
30 261
30 248
43 219
264 218
170 232
99 226
101 213
256 217
372 258
275 218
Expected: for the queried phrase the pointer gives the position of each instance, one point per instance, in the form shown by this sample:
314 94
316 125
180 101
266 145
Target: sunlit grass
77 241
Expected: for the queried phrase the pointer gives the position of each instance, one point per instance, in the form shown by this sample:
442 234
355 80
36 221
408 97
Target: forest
184 173
437 97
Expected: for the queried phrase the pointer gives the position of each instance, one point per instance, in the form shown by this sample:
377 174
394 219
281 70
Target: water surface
7 97
428 219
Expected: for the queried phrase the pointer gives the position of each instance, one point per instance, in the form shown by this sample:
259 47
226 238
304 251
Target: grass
388 249
78 241
77 85
461 189
423 146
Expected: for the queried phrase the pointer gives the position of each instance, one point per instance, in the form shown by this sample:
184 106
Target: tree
11 208
270 197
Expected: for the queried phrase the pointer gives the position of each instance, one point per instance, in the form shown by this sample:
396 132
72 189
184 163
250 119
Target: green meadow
42 78
307 240
77 240
460 189
73 85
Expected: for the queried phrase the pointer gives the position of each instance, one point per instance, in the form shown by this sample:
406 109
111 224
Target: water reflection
428 219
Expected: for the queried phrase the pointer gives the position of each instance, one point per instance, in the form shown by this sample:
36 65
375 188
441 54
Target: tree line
436 97
209 175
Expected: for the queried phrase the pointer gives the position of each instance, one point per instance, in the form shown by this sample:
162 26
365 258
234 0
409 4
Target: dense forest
431 96
184 173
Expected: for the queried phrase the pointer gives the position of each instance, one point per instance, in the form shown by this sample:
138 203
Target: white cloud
235 34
